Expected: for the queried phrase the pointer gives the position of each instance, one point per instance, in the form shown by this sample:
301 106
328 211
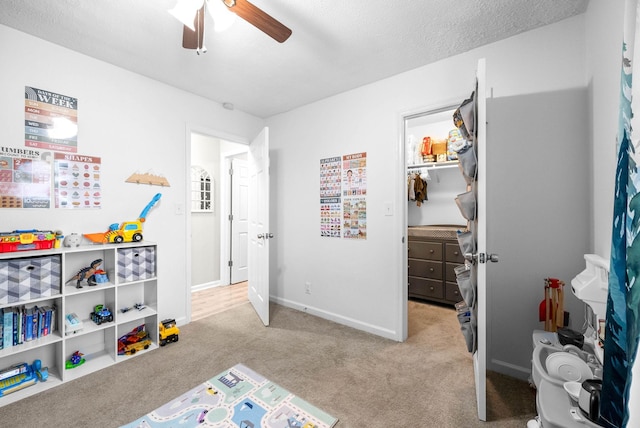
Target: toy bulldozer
129 231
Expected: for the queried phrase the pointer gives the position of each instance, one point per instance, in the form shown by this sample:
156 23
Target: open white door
259 225
480 355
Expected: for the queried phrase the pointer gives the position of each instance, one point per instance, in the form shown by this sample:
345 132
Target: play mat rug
238 397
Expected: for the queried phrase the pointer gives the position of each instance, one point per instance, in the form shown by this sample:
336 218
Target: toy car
101 314
140 342
168 331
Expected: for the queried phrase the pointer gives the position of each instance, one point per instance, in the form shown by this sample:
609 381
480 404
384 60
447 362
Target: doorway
217 194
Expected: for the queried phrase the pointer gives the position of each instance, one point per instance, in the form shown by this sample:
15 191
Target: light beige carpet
361 379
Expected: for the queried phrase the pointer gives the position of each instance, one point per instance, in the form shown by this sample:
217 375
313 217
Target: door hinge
230 263
230 171
230 217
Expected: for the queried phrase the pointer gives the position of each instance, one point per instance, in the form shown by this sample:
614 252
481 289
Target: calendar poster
77 181
25 178
50 120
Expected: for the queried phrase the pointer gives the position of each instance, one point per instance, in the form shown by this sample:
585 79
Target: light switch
388 208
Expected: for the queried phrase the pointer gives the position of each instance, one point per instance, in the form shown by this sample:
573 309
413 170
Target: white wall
132 123
604 21
205 226
357 282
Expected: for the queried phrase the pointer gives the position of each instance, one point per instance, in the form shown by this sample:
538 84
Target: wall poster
354 190
77 181
50 120
330 190
343 189
25 178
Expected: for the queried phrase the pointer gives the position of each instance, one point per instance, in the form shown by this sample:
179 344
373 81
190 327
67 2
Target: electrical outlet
307 287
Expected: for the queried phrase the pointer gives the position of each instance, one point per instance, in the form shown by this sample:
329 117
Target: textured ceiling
335 45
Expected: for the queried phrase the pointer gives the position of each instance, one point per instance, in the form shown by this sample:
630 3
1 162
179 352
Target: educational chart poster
50 120
330 189
354 190
77 181
355 218
25 178
343 189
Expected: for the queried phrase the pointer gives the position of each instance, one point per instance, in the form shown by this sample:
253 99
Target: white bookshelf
98 343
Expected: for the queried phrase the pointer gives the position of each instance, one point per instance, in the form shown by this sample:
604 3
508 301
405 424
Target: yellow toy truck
128 231
168 331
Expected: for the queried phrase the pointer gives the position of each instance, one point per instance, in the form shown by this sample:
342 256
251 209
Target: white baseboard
349 322
206 285
509 369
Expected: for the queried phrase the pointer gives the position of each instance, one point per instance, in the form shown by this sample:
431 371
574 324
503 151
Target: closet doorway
218 192
432 217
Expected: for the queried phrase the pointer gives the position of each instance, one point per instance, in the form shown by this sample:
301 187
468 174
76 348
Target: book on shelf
20 324
7 334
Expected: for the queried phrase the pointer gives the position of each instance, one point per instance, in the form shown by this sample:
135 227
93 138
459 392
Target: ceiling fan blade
194 39
260 19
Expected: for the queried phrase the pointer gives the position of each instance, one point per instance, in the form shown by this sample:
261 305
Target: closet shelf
434 165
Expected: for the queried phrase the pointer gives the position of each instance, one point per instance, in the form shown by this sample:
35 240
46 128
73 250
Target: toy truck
101 314
128 231
136 340
168 331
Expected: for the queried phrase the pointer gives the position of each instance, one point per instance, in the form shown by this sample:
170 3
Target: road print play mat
238 397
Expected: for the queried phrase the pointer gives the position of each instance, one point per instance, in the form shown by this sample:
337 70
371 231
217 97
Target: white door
259 225
239 221
480 355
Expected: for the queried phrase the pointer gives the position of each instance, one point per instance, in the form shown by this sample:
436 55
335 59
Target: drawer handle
455 253
430 269
431 288
431 251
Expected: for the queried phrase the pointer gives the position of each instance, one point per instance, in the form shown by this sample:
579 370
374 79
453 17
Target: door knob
260 235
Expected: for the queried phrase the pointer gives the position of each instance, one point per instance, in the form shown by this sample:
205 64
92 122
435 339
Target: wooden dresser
433 254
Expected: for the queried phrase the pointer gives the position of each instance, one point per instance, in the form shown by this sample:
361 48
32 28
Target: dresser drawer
425 268
425 250
453 253
426 288
451 292
449 271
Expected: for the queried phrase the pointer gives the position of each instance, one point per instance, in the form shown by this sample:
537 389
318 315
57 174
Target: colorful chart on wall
330 189
355 218
50 120
354 190
77 181
343 189
25 178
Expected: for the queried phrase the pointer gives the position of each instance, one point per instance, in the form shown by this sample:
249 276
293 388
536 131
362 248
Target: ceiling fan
191 14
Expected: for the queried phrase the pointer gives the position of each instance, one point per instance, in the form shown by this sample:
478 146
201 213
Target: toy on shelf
72 324
72 240
129 231
138 306
136 340
23 240
75 360
168 331
100 277
86 274
21 376
101 314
